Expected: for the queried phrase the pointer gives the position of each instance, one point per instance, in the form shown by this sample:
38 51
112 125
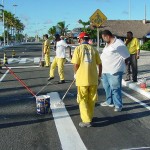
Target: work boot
85 125
61 82
50 78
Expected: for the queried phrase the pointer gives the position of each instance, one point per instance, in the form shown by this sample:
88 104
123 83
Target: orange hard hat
82 35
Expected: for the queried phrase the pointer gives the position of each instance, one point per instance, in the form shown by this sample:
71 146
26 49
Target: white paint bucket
43 104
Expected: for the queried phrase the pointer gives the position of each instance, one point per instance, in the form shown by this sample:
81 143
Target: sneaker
50 78
61 82
106 104
126 79
118 109
85 125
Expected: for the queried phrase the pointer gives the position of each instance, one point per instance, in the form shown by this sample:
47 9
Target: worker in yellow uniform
86 59
13 53
46 50
133 46
59 59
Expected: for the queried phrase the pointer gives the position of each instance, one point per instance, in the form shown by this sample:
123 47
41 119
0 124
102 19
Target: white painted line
68 134
22 67
136 100
29 60
36 60
51 59
13 60
1 79
22 61
140 148
135 88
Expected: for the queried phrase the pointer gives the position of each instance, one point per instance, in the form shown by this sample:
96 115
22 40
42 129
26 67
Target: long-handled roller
61 103
23 83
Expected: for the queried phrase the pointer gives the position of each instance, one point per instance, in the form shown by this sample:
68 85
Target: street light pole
3 22
14 15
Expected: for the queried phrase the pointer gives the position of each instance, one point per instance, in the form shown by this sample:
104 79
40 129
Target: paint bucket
43 104
42 62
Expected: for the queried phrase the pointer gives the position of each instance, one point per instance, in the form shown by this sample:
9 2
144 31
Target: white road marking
37 60
136 100
68 134
13 60
22 67
1 79
23 61
135 88
140 148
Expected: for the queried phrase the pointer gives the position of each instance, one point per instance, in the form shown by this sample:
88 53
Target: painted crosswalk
34 60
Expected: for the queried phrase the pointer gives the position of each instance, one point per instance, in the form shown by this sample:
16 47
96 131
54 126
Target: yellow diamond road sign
98 18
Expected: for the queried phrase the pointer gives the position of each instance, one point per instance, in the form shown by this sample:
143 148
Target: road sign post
97 19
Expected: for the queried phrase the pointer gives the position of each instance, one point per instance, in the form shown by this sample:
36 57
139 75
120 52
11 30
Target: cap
82 35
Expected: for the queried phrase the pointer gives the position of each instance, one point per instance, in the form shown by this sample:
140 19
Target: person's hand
74 76
99 81
137 56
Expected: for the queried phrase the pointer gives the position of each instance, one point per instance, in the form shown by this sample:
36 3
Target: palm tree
63 28
52 31
84 24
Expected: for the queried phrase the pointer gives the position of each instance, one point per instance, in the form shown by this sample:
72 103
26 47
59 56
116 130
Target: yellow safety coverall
60 63
87 58
46 50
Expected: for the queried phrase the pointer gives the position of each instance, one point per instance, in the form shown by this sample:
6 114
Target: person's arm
76 67
69 48
99 71
138 49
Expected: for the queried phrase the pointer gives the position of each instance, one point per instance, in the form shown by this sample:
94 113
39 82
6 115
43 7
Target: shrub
145 46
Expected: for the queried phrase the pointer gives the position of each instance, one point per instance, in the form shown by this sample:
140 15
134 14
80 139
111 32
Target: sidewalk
143 72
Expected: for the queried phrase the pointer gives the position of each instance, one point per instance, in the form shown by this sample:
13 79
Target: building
140 28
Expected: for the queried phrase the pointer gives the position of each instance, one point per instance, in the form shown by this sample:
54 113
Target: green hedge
145 46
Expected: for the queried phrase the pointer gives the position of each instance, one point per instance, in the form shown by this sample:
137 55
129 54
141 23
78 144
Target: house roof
121 27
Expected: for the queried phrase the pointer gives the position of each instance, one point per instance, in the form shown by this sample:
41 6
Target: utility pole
129 9
15 15
3 22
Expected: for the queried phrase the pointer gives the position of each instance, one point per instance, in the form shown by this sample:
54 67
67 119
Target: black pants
131 63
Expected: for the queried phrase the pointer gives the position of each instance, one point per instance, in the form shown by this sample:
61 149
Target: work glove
74 76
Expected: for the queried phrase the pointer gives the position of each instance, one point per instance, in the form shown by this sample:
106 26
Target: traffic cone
13 53
5 59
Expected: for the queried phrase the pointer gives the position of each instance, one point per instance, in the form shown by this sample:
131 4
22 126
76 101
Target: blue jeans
112 85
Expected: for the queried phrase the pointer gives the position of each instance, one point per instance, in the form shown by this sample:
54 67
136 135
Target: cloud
125 12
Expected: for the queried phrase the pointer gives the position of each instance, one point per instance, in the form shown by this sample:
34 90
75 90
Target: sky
40 15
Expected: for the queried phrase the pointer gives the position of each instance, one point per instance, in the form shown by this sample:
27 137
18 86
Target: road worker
13 53
46 50
86 59
59 59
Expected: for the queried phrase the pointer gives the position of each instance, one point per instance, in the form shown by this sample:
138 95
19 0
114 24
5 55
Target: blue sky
39 15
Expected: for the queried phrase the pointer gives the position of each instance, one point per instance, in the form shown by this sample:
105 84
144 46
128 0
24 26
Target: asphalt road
21 128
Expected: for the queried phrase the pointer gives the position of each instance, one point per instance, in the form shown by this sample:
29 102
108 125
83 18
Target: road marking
136 100
23 61
22 67
1 79
37 60
13 60
135 88
68 134
140 148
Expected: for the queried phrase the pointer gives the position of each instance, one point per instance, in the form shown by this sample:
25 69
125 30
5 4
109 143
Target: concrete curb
136 88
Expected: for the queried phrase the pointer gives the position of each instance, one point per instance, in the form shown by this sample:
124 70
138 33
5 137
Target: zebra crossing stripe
22 61
67 132
37 60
